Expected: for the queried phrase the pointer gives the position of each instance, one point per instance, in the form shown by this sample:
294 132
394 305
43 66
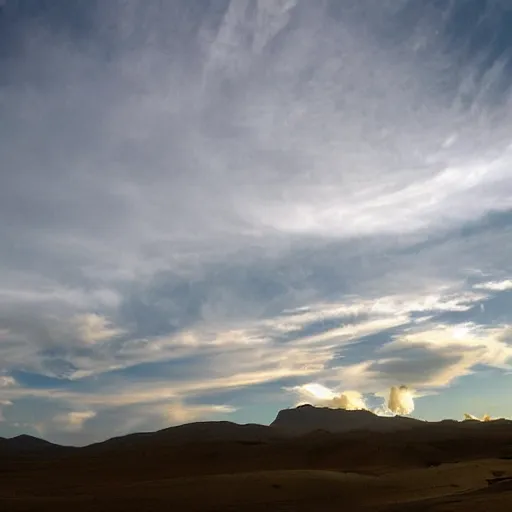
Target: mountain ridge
305 418
288 423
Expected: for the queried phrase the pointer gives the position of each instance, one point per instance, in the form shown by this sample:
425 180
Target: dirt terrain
220 466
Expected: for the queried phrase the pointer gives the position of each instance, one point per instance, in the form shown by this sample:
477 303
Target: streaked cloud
94 328
199 199
498 286
74 421
6 381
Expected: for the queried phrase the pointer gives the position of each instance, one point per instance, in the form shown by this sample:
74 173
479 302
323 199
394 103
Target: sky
210 208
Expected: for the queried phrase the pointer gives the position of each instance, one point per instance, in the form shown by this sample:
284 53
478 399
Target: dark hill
25 444
195 433
306 418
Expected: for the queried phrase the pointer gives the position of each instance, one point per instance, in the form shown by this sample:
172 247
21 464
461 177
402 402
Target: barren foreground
225 467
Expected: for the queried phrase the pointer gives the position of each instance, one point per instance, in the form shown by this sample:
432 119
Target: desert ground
220 466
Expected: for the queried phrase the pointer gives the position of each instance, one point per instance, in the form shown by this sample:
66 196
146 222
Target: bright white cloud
401 400
93 328
73 421
6 381
317 394
495 286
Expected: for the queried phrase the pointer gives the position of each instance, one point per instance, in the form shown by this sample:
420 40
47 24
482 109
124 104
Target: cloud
88 426
474 344
401 400
6 381
499 286
320 329
350 400
298 344
484 418
429 356
170 206
319 395
74 421
3 403
178 413
93 328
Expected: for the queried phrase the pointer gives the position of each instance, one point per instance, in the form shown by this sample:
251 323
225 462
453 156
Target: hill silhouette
27 444
307 418
308 459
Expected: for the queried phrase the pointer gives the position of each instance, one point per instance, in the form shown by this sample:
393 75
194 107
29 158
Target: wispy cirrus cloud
299 346
245 193
498 286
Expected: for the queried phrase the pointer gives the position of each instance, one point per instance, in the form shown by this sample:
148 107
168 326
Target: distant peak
336 410
28 440
306 418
